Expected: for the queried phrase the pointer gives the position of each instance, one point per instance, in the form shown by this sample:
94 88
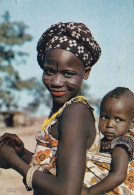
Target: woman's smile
58 93
63 75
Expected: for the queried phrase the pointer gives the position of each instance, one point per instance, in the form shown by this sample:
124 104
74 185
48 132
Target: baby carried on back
113 167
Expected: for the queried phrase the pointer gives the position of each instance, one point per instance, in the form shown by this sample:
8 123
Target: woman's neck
55 108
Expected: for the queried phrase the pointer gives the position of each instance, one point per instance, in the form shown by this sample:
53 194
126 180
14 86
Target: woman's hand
13 141
16 146
13 154
3 163
6 153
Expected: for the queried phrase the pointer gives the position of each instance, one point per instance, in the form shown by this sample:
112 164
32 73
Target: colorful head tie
73 37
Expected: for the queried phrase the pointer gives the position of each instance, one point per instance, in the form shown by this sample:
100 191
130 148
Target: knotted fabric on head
73 37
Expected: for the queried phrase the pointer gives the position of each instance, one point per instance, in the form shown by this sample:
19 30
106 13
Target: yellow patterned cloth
97 164
98 167
45 153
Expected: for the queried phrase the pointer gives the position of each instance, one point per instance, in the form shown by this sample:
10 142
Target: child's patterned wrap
97 164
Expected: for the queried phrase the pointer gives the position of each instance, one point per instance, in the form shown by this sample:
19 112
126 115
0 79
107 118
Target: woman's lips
58 94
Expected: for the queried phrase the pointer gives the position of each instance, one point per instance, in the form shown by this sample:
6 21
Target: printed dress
45 153
97 164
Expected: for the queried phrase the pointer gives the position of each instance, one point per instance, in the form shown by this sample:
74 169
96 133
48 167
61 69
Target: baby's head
117 113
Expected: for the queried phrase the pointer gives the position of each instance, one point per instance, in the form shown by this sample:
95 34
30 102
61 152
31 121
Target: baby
116 120
115 123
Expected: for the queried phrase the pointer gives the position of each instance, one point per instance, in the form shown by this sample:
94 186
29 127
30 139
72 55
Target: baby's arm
116 176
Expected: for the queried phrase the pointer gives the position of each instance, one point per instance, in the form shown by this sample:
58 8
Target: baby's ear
132 124
87 72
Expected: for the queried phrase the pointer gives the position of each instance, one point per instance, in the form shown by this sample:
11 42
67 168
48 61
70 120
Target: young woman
66 53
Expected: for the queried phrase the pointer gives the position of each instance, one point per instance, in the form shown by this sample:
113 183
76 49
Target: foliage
12 36
42 96
95 102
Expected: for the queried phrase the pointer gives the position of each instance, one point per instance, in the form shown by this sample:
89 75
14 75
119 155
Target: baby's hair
116 93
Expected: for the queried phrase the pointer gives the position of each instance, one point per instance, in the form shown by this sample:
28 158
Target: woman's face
63 75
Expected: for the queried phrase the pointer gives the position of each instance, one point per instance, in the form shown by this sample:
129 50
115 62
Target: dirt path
11 181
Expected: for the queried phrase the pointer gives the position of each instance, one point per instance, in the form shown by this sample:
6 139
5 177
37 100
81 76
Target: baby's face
115 117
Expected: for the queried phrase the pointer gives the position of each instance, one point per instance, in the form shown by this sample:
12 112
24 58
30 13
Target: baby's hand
13 141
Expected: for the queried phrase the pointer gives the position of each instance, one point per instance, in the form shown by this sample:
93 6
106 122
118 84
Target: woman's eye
48 72
67 75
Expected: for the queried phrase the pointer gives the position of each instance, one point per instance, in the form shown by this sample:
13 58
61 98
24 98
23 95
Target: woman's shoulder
78 106
77 117
80 99
74 107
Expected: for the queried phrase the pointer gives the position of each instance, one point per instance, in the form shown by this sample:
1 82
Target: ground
11 181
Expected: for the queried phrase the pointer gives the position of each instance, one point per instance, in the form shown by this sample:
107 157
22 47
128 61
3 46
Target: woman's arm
74 131
116 176
27 156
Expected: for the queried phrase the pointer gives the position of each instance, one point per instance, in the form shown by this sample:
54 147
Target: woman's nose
57 80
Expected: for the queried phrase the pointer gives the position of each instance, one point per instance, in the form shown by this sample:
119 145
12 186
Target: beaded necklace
48 120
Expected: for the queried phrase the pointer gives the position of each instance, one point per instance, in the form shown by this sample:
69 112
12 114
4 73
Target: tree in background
12 36
44 98
95 102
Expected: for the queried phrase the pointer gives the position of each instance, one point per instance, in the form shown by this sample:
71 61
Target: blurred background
24 101
22 22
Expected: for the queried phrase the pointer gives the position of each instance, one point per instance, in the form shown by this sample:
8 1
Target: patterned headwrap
73 37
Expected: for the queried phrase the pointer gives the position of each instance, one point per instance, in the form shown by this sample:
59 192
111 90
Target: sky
110 21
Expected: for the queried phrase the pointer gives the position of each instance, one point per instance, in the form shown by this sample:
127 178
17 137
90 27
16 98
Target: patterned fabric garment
46 148
99 164
73 37
124 142
97 168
